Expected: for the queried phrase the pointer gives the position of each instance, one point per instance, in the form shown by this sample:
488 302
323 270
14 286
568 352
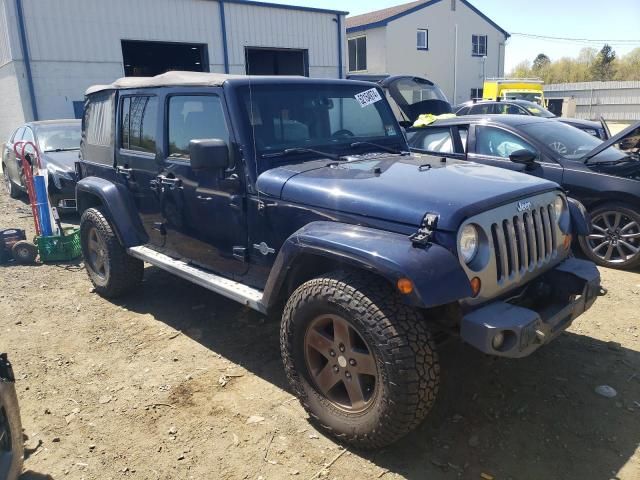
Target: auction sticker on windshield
368 97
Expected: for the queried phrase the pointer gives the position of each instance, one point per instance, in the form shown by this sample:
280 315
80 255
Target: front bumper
517 328
64 196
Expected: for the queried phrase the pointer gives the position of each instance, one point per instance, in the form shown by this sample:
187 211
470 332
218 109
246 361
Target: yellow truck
514 88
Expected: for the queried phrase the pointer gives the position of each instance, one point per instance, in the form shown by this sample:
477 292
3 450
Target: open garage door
276 61
146 59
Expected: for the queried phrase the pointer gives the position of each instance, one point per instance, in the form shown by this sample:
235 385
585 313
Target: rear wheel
12 188
614 240
11 445
111 270
362 363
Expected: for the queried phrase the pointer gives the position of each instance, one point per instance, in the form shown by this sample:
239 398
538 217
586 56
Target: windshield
569 142
329 118
59 137
535 97
537 110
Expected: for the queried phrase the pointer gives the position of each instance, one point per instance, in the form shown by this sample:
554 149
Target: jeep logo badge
524 206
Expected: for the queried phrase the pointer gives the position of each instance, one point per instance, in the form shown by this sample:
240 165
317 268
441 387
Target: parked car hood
629 139
401 189
65 160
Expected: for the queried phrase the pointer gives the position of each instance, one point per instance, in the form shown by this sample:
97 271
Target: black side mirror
524 157
208 154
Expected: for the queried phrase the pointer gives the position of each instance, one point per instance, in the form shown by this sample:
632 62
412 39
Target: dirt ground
178 383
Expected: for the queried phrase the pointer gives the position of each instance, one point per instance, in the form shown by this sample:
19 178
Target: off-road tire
632 216
398 339
11 462
13 189
124 272
24 252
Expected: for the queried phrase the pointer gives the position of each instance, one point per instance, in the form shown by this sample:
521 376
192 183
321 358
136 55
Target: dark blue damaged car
298 197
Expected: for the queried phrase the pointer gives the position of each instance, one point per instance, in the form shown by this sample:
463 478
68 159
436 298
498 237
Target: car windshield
324 117
529 96
537 110
52 138
569 142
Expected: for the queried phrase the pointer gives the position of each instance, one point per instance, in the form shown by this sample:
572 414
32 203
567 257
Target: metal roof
380 18
258 3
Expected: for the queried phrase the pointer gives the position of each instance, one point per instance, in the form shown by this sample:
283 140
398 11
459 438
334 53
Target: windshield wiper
381 147
295 151
61 149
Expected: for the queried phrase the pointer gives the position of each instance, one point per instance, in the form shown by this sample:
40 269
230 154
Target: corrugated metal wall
251 26
616 101
76 43
5 45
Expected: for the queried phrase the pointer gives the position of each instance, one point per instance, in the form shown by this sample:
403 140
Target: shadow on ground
532 418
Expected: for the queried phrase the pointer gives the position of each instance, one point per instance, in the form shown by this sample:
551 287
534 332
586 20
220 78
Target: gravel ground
175 382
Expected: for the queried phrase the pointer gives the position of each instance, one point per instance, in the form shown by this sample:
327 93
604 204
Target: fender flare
117 205
580 218
435 272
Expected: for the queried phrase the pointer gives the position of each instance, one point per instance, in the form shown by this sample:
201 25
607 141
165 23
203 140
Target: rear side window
139 124
463 111
434 140
194 117
98 117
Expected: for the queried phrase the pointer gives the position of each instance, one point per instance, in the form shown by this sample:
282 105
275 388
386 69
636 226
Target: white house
51 51
449 42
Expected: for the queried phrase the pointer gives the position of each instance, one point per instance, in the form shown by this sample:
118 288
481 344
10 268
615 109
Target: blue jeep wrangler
299 196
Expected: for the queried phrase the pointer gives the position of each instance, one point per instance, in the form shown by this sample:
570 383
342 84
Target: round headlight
468 243
559 206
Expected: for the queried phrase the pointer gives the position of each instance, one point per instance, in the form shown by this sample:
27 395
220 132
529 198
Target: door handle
203 198
125 171
172 183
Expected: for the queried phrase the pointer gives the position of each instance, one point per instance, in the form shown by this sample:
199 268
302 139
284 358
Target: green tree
521 70
603 67
541 63
628 66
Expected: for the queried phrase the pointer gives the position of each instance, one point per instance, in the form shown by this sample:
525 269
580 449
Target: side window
423 39
28 135
463 111
496 142
463 131
478 45
435 140
481 109
357 54
17 135
194 117
97 123
139 123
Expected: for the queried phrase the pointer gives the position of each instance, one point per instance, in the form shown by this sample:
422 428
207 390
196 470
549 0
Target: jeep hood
401 189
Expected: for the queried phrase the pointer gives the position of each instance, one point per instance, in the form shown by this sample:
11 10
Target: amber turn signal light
405 286
566 243
476 285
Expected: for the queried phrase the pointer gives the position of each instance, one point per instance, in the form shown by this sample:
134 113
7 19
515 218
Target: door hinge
423 236
240 253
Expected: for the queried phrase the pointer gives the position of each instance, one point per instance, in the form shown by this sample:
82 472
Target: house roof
381 18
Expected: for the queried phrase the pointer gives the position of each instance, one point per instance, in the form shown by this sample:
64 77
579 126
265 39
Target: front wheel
614 240
111 270
11 444
362 363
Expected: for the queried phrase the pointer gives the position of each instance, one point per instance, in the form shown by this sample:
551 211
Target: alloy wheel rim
614 237
97 254
340 363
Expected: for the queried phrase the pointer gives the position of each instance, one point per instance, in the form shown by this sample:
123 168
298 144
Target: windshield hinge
422 237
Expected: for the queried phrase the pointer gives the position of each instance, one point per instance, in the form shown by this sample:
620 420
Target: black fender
436 273
116 204
580 218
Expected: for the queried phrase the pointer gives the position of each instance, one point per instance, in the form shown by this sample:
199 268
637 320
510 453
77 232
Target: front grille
524 242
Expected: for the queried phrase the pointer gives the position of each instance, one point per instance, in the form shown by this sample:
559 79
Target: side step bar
239 292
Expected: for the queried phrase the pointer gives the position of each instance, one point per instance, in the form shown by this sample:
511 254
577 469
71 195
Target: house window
479 45
357 54
423 39
476 93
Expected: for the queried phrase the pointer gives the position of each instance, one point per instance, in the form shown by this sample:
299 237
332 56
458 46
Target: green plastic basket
60 248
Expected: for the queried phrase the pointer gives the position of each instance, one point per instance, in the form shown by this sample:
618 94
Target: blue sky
588 19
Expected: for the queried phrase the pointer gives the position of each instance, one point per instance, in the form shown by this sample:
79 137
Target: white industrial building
51 51
449 42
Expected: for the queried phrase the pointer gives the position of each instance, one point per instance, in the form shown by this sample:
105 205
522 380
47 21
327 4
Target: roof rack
505 79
